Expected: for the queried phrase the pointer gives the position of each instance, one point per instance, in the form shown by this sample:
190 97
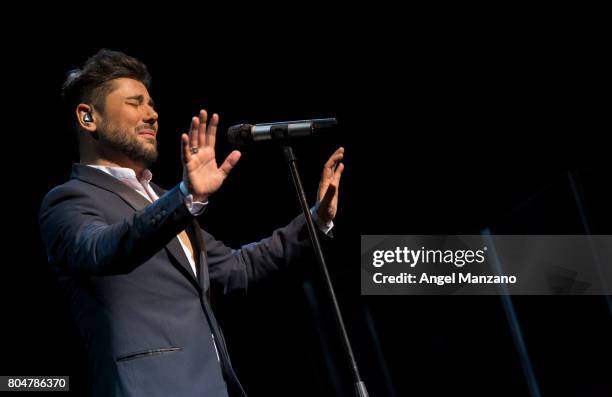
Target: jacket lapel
137 202
203 258
177 250
110 183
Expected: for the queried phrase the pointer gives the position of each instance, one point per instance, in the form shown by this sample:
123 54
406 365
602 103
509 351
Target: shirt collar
125 173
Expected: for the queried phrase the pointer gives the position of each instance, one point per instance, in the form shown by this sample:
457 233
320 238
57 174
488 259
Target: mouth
147 133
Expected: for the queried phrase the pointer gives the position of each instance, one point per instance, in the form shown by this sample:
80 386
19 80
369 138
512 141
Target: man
131 257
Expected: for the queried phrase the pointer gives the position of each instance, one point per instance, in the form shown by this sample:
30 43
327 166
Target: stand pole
289 155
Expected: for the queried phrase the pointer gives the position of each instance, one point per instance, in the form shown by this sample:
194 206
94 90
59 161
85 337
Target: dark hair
92 83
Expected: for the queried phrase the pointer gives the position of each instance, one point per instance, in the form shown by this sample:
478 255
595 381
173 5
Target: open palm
200 171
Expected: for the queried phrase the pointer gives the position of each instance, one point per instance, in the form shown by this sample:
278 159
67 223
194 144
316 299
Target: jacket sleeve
236 268
79 240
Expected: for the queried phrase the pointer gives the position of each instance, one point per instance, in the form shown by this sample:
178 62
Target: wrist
324 225
197 198
200 199
322 215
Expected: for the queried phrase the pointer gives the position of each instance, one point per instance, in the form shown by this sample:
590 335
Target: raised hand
201 174
327 198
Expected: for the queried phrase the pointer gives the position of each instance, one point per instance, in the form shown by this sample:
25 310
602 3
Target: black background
447 129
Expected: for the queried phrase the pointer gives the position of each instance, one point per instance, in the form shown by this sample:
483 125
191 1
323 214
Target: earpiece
87 118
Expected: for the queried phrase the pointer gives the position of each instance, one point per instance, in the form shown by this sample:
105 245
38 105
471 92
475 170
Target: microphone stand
289 155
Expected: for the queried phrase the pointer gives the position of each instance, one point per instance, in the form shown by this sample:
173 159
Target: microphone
241 134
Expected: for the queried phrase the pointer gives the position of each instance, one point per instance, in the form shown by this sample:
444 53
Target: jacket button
163 212
158 217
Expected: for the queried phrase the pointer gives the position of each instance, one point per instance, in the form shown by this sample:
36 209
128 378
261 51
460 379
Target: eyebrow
140 99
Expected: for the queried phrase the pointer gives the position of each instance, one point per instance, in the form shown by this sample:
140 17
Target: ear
86 118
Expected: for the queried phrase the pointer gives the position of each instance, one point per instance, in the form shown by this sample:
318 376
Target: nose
150 116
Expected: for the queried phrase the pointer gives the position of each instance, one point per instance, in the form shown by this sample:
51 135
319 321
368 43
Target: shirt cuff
324 227
195 207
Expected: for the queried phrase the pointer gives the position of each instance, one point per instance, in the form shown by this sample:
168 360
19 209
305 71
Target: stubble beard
128 144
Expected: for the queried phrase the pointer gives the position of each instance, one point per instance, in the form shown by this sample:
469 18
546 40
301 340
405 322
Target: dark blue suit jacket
143 315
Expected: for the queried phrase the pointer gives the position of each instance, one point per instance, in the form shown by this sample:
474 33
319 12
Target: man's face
129 122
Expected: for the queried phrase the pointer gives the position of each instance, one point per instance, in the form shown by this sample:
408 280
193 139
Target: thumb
230 162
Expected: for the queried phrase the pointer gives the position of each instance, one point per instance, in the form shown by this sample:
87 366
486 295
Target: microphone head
324 123
239 134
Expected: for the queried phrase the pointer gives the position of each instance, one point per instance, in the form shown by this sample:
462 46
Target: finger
328 172
334 158
193 132
211 132
338 153
202 129
230 162
332 164
338 173
185 150
329 195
